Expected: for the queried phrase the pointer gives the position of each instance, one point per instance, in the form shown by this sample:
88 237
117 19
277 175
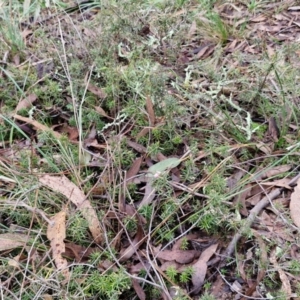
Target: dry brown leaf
96 91
217 289
271 52
268 28
10 241
15 262
56 233
286 285
277 171
202 51
47 297
25 33
78 252
102 112
180 256
177 245
26 102
135 269
192 30
150 111
232 181
284 182
64 186
134 169
295 205
138 289
107 265
266 148
263 262
275 226
240 199
135 244
200 268
167 264
37 125
72 132
143 132
138 147
149 195
258 18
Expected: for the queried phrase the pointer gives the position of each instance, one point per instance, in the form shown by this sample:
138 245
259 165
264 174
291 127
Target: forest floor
149 149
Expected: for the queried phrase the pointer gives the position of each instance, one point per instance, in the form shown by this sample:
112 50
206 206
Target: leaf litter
260 195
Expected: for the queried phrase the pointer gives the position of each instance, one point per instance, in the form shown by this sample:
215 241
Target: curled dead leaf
56 233
64 186
37 125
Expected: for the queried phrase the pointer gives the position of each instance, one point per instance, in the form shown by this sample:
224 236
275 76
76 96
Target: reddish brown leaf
201 52
37 125
72 132
178 243
181 256
134 169
150 111
138 289
138 147
134 245
78 252
217 289
169 264
107 264
200 268
143 132
134 269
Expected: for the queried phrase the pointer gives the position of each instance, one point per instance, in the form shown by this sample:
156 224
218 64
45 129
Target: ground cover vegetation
149 149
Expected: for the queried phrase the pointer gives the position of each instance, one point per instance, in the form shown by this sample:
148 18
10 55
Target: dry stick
253 213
